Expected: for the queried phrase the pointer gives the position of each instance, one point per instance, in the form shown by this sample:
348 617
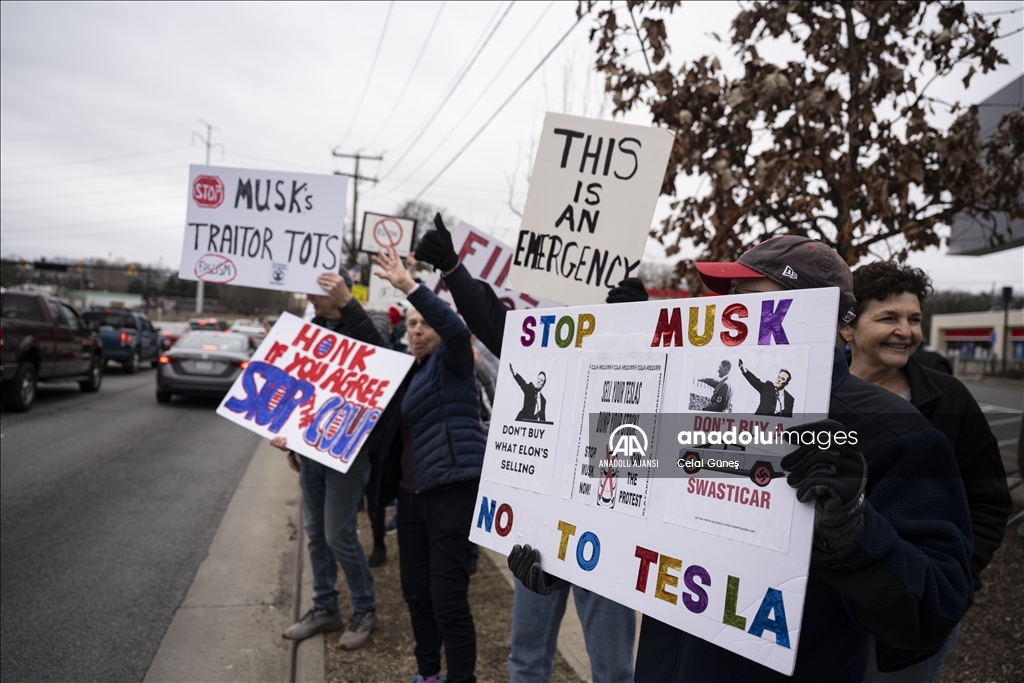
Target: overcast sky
99 102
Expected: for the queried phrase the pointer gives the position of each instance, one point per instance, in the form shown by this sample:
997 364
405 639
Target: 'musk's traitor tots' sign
321 390
265 229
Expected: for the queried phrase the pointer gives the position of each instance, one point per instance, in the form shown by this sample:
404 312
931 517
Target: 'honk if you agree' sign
593 457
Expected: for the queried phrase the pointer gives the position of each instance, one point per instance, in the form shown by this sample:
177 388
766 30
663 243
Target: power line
176 167
481 95
447 97
84 207
401 93
369 76
498 111
87 194
93 161
84 225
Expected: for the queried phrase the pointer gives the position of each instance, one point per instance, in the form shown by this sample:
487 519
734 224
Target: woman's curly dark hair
881 280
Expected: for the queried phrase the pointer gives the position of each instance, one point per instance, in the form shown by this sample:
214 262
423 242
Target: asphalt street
109 502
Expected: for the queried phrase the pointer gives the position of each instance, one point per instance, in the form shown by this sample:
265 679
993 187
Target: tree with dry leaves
839 145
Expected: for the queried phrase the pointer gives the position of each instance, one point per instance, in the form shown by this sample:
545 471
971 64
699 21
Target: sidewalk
228 628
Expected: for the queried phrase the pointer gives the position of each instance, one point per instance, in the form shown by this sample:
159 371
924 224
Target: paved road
108 504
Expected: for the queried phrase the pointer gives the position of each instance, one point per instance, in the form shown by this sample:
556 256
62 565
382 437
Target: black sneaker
379 555
314 621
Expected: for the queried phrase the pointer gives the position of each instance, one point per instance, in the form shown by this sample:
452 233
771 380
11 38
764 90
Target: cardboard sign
381 232
264 229
588 212
383 295
637 447
486 258
321 390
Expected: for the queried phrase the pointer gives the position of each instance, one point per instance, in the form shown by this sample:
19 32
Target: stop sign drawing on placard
208 191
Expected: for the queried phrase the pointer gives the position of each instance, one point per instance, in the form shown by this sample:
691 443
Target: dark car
202 363
170 333
217 324
44 339
128 337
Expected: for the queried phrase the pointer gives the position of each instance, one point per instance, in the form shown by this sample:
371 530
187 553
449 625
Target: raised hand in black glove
833 475
436 248
524 562
629 290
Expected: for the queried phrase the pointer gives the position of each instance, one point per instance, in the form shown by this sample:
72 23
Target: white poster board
383 295
588 211
708 538
264 229
321 390
381 232
486 258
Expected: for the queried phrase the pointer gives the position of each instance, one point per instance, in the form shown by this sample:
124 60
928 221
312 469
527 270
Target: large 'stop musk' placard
638 448
265 229
321 390
592 195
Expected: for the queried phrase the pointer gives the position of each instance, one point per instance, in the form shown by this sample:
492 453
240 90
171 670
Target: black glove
436 248
628 291
832 475
524 562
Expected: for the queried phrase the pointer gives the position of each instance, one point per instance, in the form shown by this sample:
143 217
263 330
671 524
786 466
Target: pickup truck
128 337
41 339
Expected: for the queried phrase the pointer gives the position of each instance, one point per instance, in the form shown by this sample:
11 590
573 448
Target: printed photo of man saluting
775 400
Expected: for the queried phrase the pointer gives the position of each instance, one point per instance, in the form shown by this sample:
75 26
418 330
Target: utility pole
353 250
208 143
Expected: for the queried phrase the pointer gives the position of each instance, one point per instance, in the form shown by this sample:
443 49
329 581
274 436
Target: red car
170 332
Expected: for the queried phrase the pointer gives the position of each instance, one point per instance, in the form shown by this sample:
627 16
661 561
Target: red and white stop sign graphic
208 191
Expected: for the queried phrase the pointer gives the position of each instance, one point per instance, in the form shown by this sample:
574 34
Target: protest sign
383 295
486 258
264 229
321 390
381 233
638 447
592 195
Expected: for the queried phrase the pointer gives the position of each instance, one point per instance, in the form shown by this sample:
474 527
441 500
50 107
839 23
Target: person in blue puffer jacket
436 456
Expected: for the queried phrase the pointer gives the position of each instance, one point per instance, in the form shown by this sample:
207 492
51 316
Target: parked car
255 333
208 324
128 337
170 332
44 339
202 363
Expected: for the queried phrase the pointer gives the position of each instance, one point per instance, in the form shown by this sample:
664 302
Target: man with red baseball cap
892 537
788 262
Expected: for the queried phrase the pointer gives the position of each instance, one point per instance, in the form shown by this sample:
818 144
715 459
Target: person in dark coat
721 397
775 400
608 627
883 340
534 403
892 536
437 456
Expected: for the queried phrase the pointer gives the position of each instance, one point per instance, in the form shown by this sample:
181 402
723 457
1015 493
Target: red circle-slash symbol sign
387 232
208 191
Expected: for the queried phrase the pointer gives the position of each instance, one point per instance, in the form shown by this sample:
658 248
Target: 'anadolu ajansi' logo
628 443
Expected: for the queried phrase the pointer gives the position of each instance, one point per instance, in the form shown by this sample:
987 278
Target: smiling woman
882 339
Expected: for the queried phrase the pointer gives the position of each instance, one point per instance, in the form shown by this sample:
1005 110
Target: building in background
974 341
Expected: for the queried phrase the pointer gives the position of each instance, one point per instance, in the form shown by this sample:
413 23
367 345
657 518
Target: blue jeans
330 507
608 629
922 672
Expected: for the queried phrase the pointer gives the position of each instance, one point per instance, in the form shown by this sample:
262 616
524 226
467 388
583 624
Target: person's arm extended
479 306
456 348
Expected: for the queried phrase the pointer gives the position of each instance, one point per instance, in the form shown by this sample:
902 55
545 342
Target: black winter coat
951 408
